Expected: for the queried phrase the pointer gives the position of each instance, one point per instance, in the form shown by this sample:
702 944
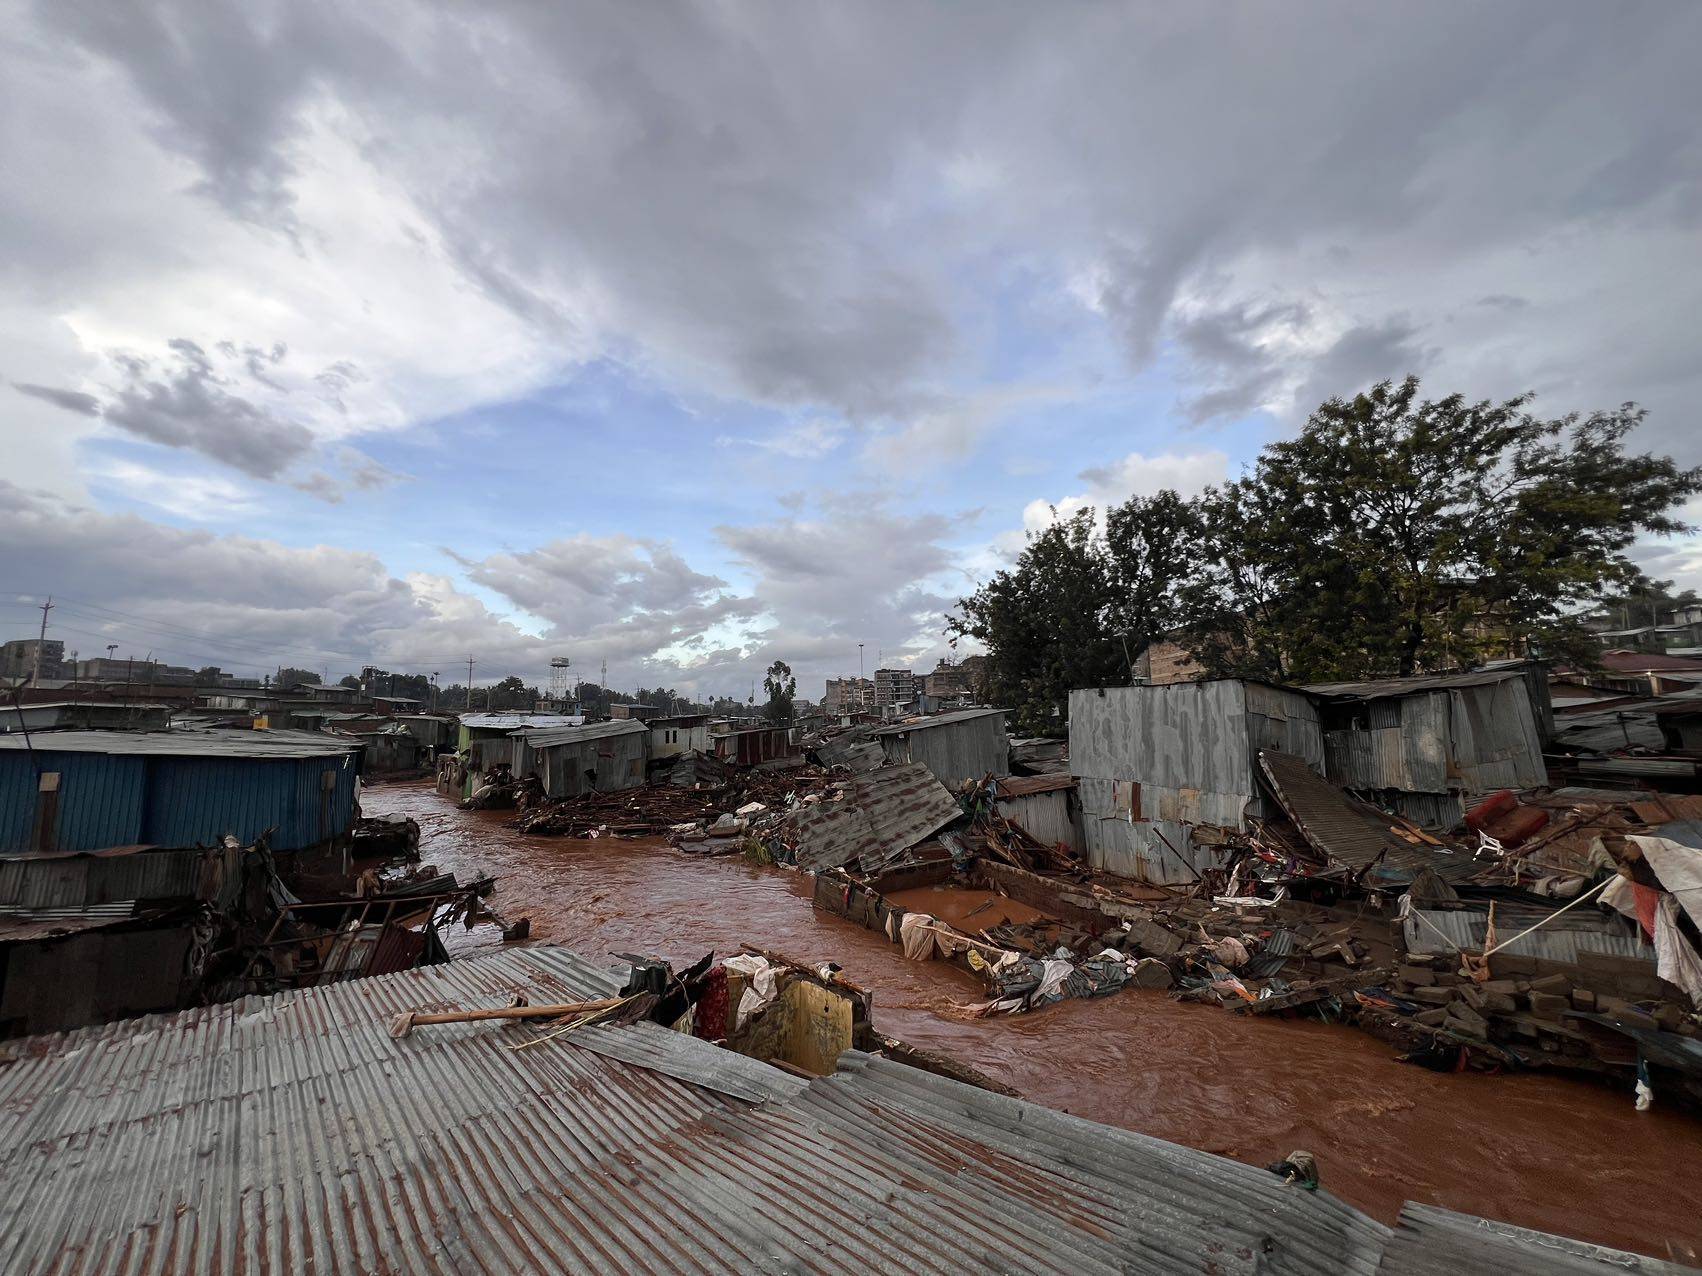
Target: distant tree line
1393 535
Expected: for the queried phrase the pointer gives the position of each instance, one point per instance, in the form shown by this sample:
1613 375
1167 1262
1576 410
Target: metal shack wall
196 801
1423 751
686 740
1189 750
110 800
1405 746
956 751
1043 816
100 800
616 762
1496 737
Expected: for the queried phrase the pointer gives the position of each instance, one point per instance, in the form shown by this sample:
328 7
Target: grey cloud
756 195
188 406
1223 348
70 400
1363 356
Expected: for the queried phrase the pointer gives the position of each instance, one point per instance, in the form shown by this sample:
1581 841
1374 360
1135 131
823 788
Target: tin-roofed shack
686 733
1424 747
89 790
1155 762
970 744
599 756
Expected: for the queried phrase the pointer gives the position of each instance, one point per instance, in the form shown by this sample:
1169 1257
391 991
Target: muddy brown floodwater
1540 1151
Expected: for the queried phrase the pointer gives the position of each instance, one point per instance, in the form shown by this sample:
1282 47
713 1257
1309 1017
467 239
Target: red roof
1647 662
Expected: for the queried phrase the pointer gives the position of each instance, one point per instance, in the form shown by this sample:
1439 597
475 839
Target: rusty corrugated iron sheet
883 814
293 1133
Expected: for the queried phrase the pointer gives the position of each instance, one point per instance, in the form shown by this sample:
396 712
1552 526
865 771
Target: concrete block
1583 999
1414 977
1546 1005
1432 996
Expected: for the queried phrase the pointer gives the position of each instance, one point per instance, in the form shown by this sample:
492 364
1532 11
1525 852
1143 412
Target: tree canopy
782 688
1392 535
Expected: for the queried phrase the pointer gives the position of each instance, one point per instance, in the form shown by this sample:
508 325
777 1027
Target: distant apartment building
109 669
17 658
849 695
894 686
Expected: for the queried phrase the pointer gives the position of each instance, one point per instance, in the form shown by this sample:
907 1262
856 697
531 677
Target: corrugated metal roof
549 737
1429 1241
519 718
1343 829
883 814
293 1133
1563 939
938 720
1381 688
189 744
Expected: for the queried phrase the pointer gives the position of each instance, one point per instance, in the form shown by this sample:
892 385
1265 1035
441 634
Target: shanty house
967 745
753 746
597 757
670 737
90 790
436 731
1155 764
1042 805
1424 747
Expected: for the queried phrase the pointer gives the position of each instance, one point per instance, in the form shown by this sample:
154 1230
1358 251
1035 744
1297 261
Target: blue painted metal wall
178 801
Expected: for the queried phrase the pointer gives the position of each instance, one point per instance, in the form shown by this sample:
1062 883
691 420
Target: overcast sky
685 337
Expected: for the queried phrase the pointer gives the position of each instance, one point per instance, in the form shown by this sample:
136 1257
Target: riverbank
1542 1152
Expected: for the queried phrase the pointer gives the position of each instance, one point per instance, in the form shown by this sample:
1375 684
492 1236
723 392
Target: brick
1583 999
1471 994
1505 987
1499 1003
1551 984
1414 978
1433 1017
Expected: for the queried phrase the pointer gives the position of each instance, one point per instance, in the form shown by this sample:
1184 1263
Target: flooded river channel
1540 1151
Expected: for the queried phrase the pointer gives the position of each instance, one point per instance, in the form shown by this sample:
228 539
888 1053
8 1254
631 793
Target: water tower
561 683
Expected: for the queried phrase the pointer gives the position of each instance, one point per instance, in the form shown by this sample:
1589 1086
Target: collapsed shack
89 937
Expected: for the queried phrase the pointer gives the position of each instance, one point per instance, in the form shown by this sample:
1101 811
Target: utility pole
434 692
35 669
470 684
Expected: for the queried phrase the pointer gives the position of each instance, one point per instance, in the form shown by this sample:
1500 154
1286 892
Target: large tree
782 688
1392 535
1050 622
1395 534
288 678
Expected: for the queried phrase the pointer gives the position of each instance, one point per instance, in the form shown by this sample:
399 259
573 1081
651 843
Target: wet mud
1541 1151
